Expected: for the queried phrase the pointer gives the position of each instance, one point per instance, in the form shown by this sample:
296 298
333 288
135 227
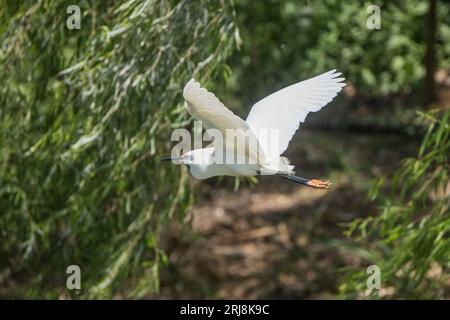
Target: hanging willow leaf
85 115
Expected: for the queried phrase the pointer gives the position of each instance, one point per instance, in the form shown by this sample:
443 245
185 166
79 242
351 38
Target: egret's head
183 159
194 157
199 162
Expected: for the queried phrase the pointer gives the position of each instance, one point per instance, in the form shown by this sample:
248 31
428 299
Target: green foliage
310 37
409 239
85 115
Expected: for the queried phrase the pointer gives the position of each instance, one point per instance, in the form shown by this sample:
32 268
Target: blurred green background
86 114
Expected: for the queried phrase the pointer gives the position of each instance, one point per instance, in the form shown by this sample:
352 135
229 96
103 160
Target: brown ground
277 239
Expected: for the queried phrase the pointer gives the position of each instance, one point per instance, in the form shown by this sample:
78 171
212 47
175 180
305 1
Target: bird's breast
213 170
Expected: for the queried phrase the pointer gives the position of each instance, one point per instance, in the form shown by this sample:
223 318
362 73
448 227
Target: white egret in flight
282 111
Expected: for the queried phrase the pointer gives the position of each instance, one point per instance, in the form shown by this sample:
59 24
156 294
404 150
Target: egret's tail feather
286 167
282 167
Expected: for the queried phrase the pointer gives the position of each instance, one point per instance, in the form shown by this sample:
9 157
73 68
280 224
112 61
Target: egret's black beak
169 158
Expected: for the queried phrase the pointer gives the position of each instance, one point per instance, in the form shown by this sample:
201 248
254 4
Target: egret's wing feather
285 109
205 106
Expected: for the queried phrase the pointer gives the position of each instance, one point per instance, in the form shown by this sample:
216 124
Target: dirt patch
277 239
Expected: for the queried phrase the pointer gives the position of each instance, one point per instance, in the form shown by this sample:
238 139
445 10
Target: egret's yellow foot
316 183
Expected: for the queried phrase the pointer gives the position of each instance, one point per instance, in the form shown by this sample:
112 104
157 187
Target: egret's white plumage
283 110
206 107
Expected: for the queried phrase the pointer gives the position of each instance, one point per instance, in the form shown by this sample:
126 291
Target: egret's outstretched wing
205 106
285 109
